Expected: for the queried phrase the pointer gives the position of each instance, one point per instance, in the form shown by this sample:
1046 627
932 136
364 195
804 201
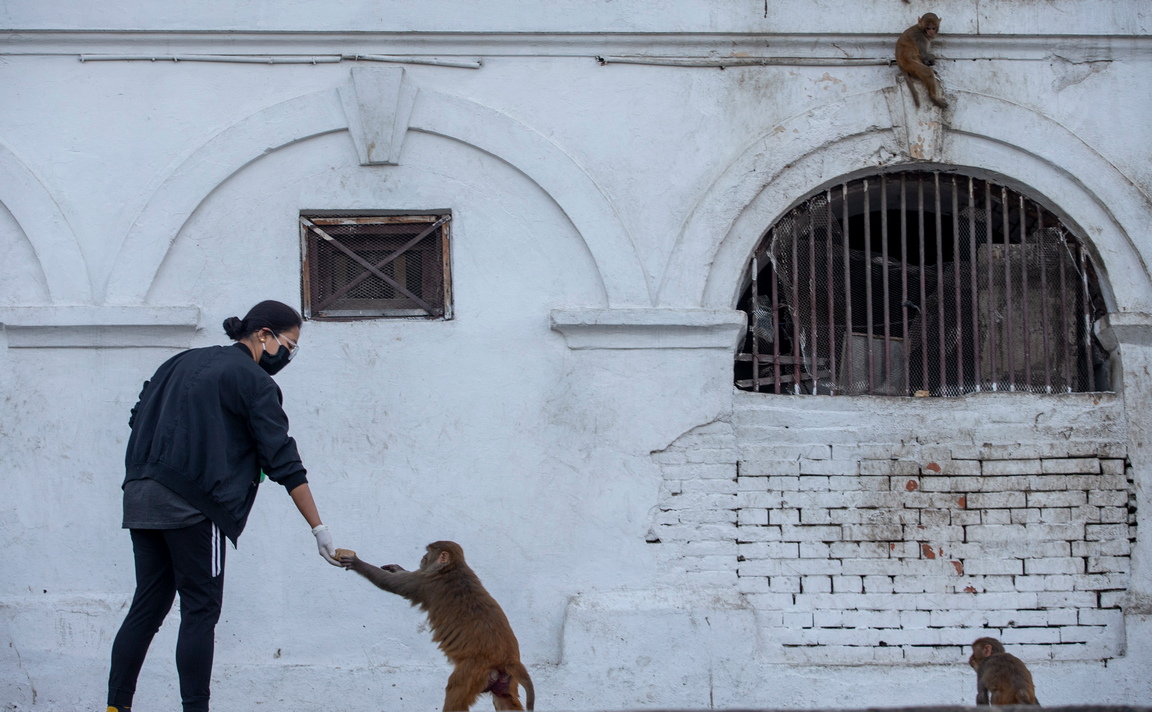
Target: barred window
366 266
917 283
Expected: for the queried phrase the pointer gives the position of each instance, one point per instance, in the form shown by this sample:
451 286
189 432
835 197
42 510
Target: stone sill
649 328
99 326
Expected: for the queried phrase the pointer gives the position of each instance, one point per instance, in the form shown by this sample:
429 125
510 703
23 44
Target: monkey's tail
521 673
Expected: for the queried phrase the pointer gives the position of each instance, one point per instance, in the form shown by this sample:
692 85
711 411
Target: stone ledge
649 328
85 326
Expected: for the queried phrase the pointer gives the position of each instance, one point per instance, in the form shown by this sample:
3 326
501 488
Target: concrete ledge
649 328
99 326
1124 328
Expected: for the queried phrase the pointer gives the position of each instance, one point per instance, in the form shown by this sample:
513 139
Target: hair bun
234 327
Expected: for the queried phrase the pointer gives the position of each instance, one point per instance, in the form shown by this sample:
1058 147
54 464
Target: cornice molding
740 47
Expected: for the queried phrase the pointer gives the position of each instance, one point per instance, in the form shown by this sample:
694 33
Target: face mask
274 364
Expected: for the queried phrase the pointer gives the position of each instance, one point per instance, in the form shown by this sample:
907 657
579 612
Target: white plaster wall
574 186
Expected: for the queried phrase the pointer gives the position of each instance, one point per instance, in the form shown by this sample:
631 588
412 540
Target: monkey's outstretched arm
391 578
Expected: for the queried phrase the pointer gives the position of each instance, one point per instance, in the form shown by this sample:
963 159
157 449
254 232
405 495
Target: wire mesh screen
920 284
364 267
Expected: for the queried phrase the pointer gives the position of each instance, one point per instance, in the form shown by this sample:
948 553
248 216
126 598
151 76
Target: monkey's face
930 25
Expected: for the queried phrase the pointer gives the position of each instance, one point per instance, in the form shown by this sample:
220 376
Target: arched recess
984 133
556 173
46 228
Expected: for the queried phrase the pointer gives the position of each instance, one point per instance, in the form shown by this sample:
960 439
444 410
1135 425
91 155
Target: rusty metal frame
314 304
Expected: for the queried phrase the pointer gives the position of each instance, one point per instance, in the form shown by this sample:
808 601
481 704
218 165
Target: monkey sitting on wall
467 623
1001 678
914 57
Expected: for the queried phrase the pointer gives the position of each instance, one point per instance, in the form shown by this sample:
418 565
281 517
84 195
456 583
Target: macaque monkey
1001 678
914 57
467 623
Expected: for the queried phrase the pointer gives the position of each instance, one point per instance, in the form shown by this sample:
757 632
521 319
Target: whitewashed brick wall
914 528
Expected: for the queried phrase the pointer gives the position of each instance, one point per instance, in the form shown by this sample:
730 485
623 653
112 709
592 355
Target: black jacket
207 423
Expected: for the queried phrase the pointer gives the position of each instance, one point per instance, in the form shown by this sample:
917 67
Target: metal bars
359 267
917 283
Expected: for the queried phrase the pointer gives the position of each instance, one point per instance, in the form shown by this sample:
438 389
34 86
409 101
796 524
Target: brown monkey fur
914 57
467 623
1001 678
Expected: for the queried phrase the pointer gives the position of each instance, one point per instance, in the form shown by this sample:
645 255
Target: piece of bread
341 553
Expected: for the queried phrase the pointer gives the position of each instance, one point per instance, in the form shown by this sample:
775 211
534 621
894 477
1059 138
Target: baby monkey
466 622
1001 678
914 57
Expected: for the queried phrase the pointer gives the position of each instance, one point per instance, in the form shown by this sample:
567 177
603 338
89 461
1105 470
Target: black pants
189 561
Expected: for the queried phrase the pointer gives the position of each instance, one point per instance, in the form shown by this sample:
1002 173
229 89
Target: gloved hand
324 544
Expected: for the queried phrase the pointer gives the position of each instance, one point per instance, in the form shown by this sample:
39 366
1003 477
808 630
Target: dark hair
269 314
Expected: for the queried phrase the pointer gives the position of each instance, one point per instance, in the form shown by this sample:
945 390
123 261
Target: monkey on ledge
914 57
466 622
1001 678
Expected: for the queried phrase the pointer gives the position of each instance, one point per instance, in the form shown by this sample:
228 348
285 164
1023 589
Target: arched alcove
909 281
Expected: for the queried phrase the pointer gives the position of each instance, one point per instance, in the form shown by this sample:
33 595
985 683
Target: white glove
324 544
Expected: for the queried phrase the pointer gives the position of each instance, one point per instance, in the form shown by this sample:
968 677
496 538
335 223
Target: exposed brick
853 483
929 500
764 468
1026 516
877 584
752 484
1064 599
1069 565
783 483
758 534
1108 498
1113 599
814 550
813 483
995 533
1005 483
977 567
900 468
784 584
830 467
991 468
1113 515
746 517
1111 547
1015 636
759 500
1070 466
1112 467
935 517
1073 498
816 584
1098 532
960 467
790 567
1102 582
873 532
850 584
815 515
996 500
858 550
1061 515
769 550
934 535
816 532
936 484
784 515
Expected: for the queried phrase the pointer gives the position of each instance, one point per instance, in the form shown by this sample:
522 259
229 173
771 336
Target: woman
208 428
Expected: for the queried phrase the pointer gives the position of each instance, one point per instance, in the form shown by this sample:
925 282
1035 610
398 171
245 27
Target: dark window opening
920 284
363 267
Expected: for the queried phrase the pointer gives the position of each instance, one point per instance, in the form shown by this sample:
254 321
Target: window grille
920 284
365 266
